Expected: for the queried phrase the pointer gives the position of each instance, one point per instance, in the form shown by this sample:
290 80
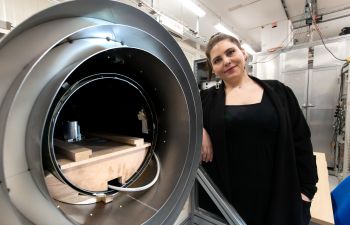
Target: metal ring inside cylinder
96 101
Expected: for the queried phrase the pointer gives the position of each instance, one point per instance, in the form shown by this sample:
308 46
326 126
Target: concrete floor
333 182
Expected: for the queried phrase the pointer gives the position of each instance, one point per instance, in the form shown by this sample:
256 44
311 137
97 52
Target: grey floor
333 182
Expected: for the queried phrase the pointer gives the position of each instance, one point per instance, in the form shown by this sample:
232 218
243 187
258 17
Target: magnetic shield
130 64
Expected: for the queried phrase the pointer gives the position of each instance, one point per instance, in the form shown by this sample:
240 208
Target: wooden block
109 160
104 199
92 164
96 174
72 151
135 141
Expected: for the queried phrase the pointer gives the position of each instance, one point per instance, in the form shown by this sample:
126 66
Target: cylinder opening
111 93
100 133
101 128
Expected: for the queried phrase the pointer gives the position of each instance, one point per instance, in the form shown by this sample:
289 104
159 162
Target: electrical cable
321 36
283 47
142 188
324 44
268 60
319 33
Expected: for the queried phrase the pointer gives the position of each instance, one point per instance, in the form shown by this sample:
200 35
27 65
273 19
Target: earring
217 85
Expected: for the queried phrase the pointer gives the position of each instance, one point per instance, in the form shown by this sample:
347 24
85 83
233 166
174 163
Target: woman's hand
207 148
305 198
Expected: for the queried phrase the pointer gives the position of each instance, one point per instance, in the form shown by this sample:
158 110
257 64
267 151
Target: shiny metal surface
324 86
298 82
316 89
267 66
35 61
323 95
293 60
72 131
322 58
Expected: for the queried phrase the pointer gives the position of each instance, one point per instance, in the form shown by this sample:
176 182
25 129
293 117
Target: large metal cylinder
128 62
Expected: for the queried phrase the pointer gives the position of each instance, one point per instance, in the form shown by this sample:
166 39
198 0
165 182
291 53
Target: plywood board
120 139
109 160
64 193
72 151
321 207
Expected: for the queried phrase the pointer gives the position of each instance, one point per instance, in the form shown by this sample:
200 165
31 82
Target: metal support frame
346 169
227 210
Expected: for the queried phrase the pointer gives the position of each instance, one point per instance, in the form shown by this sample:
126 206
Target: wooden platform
92 163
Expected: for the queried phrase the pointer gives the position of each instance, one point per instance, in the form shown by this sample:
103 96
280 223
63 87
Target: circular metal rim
64 11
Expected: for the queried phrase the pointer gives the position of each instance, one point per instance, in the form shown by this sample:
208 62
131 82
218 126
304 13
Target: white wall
2 10
190 52
280 36
15 11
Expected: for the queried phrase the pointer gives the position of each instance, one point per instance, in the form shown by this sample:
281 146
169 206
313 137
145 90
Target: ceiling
247 18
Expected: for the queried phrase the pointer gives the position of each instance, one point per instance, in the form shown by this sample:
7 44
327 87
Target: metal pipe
326 13
323 21
285 8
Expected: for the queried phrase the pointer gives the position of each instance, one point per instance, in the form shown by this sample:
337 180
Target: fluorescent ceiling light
249 49
193 7
171 24
223 29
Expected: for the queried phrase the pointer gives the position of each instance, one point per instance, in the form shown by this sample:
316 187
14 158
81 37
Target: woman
256 142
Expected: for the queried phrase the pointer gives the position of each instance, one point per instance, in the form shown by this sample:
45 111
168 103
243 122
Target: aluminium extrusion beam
227 210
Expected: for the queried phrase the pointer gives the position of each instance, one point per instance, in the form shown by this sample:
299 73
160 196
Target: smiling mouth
230 69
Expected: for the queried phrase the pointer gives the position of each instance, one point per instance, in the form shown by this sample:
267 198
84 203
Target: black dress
294 166
251 132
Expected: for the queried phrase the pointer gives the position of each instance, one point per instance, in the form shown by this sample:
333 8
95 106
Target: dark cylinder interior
109 104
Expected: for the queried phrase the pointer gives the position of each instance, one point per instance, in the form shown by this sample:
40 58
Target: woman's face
228 60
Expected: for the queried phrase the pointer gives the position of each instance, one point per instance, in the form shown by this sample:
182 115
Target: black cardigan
295 169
